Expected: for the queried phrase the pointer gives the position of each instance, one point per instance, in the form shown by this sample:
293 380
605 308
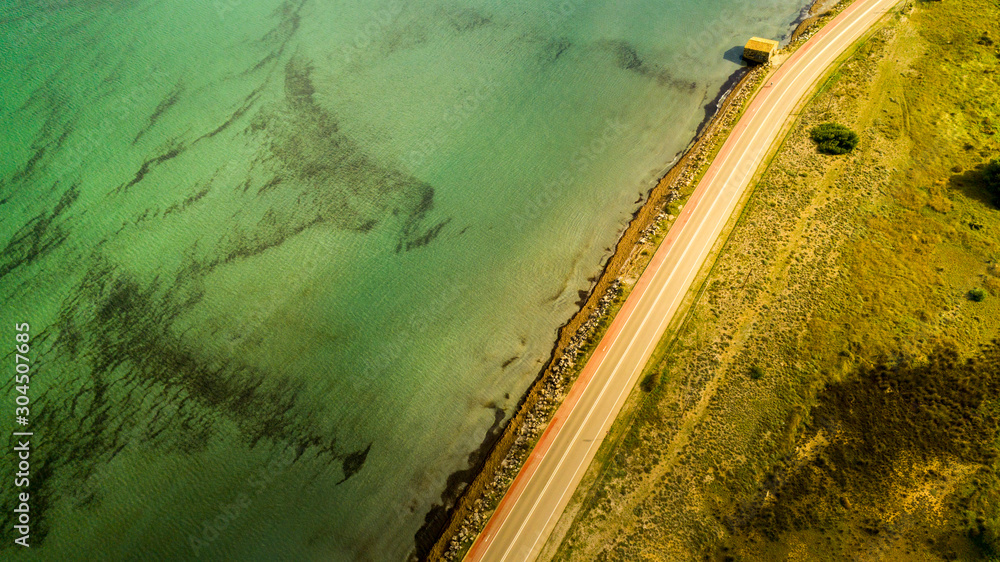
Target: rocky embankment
645 229
649 223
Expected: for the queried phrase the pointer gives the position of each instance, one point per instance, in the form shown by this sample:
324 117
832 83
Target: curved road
528 512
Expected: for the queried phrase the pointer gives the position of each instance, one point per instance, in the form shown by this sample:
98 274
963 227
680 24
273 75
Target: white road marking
671 307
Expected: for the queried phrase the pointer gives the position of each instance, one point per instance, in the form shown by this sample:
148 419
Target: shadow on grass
886 427
972 183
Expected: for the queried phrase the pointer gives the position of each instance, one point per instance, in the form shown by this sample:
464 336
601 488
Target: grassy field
817 402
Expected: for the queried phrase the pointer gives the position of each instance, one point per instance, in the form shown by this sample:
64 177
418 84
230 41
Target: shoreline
440 522
463 496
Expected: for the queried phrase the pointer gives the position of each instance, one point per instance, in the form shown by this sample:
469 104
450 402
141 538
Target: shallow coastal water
284 262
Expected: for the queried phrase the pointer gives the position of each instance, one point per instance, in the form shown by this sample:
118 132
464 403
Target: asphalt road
528 512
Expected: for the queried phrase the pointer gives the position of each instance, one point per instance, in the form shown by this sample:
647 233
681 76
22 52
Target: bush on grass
991 177
833 138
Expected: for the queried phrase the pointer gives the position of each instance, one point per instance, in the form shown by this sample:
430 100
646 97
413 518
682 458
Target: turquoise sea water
284 262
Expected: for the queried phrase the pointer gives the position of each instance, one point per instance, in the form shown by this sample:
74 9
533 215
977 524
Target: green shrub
756 372
649 383
833 138
991 177
977 295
